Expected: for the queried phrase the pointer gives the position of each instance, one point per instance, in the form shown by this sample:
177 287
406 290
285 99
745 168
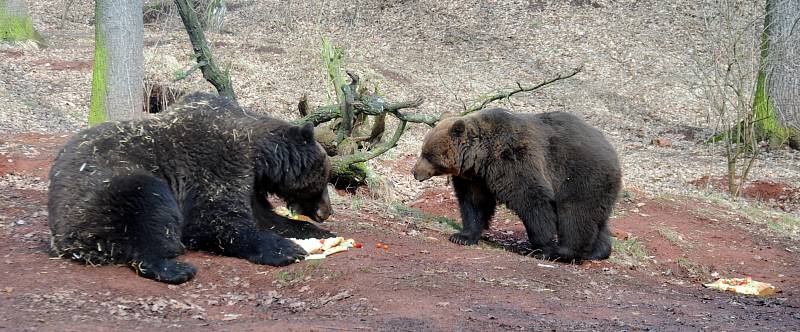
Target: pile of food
285 212
746 286
321 248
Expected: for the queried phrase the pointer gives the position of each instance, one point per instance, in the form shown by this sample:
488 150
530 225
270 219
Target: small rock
20 222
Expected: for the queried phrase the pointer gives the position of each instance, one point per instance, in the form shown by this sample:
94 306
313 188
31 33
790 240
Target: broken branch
327 113
340 162
219 79
479 105
189 71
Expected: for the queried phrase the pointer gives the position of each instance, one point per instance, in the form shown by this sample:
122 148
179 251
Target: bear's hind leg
602 245
477 206
579 232
153 223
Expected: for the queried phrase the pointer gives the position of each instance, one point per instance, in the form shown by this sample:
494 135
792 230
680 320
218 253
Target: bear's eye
431 158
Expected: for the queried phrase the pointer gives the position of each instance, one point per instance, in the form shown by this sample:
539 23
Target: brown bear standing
557 173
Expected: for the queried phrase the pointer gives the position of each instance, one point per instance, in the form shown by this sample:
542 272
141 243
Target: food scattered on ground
745 286
321 248
381 245
285 212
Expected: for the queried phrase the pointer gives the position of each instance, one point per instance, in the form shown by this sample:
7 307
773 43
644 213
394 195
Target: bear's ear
308 132
458 128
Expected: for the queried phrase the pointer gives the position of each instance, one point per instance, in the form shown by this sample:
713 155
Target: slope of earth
421 282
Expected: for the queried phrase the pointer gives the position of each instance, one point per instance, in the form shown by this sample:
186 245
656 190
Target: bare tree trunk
118 71
783 61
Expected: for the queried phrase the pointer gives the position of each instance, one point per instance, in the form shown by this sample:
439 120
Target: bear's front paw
309 230
279 252
463 239
167 270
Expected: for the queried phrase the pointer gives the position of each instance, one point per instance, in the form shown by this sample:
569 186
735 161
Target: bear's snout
323 214
422 170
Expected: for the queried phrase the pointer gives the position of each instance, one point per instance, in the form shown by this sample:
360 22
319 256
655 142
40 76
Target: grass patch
356 203
441 223
776 222
695 270
15 28
630 253
779 222
674 237
299 274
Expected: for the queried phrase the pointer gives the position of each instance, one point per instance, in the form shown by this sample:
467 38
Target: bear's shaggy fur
558 174
197 177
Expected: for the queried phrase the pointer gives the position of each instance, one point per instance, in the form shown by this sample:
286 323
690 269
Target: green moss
16 28
97 109
766 120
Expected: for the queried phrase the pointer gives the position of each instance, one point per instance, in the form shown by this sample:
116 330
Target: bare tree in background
727 65
118 70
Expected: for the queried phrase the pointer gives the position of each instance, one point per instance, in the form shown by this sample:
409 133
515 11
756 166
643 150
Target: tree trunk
777 105
118 70
783 71
16 24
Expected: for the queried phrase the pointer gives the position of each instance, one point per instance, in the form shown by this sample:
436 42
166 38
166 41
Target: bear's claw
463 239
168 271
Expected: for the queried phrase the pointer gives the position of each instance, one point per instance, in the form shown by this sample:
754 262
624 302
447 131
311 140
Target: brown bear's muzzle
422 170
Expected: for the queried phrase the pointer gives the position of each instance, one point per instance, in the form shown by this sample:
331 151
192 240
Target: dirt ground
421 283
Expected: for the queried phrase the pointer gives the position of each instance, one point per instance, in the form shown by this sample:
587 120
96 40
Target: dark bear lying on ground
558 174
197 177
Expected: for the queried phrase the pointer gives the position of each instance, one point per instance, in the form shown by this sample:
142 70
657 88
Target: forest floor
667 247
675 228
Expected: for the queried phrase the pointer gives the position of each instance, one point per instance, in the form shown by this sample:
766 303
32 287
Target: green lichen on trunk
97 109
14 28
766 121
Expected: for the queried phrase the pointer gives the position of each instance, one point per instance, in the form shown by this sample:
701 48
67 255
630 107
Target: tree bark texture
783 60
118 69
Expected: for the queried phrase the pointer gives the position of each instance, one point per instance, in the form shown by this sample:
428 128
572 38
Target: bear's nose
323 214
421 177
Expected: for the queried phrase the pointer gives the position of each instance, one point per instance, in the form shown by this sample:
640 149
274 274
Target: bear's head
293 166
443 150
